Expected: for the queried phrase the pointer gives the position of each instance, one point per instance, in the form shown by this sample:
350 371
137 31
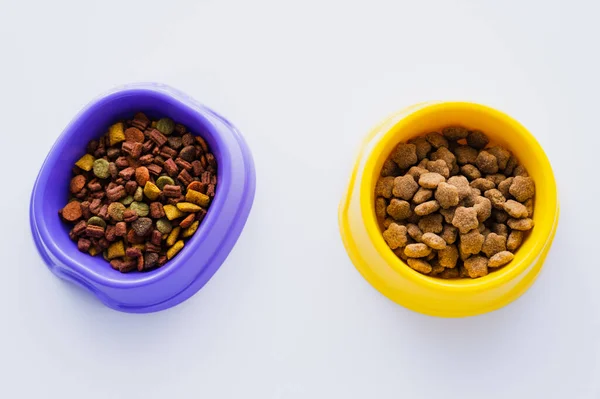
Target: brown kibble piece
504 187
430 180
462 184
493 244
500 229
390 168
516 209
455 132
395 236
496 198
448 256
448 214
440 167
500 259
414 232
520 171
486 162
465 155
418 250
444 154
465 219
502 156
450 273
483 206
405 155
515 239
405 187
427 207
399 209
471 243
419 265
449 234
422 195
476 266
380 208
431 223
482 184
496 178
433 241
422 147
436 140
470 171
520 224
384 187
529 205
72 211
522 188
477 139
499 215
447 195
416 172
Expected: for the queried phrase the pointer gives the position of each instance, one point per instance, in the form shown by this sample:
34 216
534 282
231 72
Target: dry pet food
452 206
141 191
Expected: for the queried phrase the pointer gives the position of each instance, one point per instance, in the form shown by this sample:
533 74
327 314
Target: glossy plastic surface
389 274
203 254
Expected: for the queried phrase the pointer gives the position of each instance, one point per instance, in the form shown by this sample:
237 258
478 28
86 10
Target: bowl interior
92 122
501 130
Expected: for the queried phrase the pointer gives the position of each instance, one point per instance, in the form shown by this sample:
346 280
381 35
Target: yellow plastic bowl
389 274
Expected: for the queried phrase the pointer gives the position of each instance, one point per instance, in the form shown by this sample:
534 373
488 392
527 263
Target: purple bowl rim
44 241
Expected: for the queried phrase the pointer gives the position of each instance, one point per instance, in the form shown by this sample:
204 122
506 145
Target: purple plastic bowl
202 255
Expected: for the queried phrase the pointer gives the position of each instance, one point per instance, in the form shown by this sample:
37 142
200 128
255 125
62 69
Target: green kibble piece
164 180
139 194
97 221
140 208
115 211
100 168
127 200
165 126
164 226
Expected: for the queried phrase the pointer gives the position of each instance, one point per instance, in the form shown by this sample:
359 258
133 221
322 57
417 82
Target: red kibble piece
109 234
154 169
83 244
172 191
185 178
156 237
130 215
127 173
168 152
156 210
134 134
122 162
72 211
116 193
183 164
197 168
132 149
130 187
77 184
94 231
157 137
121 228
187 139
79 228
133 252
187 222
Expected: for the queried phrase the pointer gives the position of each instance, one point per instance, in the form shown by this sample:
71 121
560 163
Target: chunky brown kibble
419 265
433 241
384 186
504 187
529 205
476 266
482 184
418 250
455 170
455 132
390 168
496 198
470 243
465 219
520 224
427 207
448 256
399 209
483 207
423 147
449 234
450 273
388 221
439 166
501 154
499 215
515 239
516 209
496 178
395 236
522 188
500 259
493 244
510 166
470 172
380 208
500 229
436 268
486 162
448 214
405 187
462 184
520 171
431 223
405 155
431 180
465 155
447 195
416 172
477 139
444 154
422 195
469 200
414 232
436 140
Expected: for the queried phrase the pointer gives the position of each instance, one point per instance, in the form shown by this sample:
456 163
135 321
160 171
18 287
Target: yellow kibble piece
188 207
196 197
151 190
172 212
174 249
153 124
190 230
173 236
141 247
86 162
116 250
116 133
94 251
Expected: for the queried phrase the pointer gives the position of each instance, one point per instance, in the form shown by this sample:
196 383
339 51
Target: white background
287 315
